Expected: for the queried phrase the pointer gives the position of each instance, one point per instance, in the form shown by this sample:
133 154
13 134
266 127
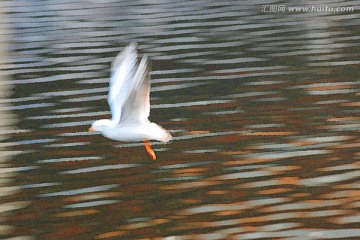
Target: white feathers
129 101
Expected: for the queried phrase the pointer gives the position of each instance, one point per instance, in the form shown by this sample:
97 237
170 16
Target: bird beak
91 129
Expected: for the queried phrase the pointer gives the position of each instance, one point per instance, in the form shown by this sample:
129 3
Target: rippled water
263 106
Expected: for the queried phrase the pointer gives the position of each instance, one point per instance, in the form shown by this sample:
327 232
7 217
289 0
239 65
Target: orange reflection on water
191 184
111 234
198 132
282 169
343 119
350 104
188 172
289 180
228 213
331 87
76 213
234 152
218 192
192 225
92 196
274 191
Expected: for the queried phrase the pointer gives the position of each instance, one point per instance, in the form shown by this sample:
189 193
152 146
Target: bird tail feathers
167 137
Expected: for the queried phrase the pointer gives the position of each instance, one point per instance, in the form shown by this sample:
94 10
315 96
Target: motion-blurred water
263 105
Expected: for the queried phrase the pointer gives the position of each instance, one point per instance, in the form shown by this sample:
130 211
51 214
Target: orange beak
91 129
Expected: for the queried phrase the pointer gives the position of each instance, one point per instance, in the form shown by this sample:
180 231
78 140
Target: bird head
100 125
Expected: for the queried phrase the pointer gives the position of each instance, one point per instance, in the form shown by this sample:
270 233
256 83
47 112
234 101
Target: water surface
263 106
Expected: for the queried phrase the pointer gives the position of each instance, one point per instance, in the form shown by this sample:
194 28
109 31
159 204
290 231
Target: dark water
263 106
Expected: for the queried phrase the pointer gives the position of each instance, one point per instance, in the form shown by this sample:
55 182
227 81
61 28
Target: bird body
136 132
129 101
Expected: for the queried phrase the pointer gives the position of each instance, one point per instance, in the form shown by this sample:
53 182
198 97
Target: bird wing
121 82
136 108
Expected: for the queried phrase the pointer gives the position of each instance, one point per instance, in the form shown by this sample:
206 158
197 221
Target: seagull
129 101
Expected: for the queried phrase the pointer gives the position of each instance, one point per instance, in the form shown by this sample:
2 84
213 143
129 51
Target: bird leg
149 149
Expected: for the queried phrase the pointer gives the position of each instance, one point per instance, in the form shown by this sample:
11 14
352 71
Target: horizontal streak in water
58 160
91 204
188 104
80 191
99 168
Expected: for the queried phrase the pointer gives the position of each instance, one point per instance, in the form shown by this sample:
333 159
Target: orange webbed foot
149 150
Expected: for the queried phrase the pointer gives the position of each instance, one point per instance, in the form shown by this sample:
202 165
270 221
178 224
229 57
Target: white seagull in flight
129 101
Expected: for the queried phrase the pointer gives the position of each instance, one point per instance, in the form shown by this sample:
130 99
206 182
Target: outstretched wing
121 82
136 108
